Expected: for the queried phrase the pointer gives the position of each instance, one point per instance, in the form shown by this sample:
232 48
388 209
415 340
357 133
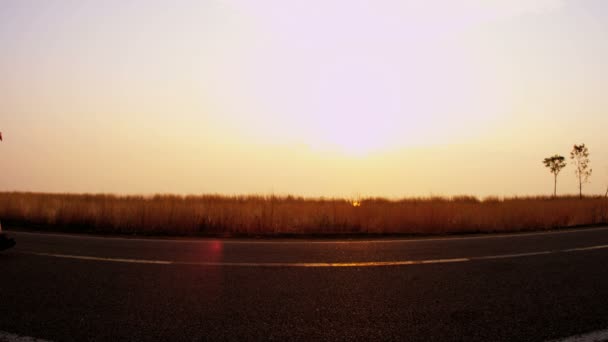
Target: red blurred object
0 136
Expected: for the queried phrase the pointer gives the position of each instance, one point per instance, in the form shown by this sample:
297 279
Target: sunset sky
334 98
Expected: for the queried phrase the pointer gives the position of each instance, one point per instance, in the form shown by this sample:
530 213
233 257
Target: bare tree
580 159
555 164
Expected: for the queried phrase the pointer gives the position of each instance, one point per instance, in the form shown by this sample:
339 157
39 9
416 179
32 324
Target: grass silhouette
274 215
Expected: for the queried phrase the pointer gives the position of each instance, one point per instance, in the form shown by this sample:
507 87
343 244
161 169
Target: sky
389 98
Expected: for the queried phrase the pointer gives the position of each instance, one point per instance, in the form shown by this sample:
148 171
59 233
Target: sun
355 135
355 106
360 97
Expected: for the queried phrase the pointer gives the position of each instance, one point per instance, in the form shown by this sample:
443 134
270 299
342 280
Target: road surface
524 287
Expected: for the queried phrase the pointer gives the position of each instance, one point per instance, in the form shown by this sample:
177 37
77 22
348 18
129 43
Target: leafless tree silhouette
580 159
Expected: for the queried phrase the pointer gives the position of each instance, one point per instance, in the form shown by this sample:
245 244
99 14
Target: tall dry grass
214 214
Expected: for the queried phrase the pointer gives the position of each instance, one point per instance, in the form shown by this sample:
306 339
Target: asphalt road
530 287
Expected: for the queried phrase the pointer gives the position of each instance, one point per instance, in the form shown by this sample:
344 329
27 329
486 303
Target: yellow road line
252 264
314 264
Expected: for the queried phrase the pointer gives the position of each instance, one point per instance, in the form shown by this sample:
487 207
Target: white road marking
596 336
84 257
8 337
586 248
300 241
509 256
315 264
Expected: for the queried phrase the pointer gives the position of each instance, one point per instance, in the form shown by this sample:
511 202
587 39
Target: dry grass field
273 215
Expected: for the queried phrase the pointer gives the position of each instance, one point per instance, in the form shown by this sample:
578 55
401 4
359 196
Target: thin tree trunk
580 187
555 186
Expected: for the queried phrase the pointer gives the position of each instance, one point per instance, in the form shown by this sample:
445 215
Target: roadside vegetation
580 160
275 215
